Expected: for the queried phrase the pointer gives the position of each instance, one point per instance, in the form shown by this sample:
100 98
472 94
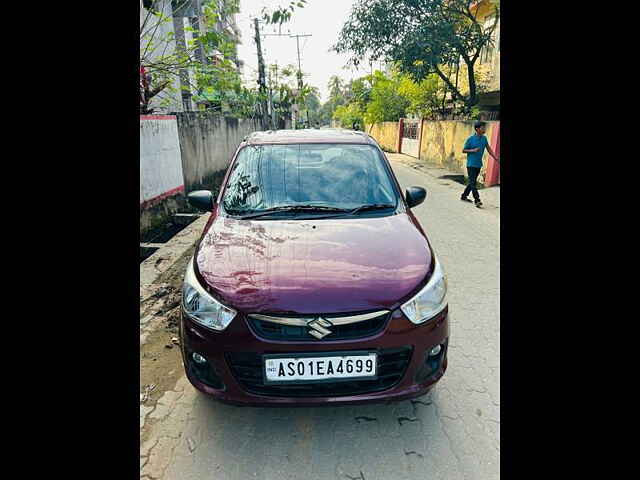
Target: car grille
247 368
276 331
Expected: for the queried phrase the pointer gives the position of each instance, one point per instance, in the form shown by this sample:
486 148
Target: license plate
314 367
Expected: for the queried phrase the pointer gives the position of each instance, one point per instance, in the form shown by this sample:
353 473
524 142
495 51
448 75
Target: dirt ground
160 357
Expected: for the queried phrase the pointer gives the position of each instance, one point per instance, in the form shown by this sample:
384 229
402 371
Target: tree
371 99
420 36
335 87
349 116
386 103
209 57
281 15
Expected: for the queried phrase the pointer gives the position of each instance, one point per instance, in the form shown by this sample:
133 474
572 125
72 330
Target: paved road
453 433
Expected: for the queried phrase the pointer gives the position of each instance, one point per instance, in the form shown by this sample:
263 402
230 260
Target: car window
343 176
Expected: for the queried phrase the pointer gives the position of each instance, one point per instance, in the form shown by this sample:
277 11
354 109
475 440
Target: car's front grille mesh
276 331
247 368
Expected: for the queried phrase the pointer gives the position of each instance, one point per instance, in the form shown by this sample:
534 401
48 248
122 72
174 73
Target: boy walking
474 148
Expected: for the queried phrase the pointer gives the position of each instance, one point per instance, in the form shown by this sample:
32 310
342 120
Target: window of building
486 55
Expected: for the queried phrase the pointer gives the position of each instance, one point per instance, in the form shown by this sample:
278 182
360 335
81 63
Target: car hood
313 266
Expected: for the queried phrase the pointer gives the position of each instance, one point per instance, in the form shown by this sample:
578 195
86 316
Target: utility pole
275 117
273 113
274 125
297 37
276 74
299 74
261 76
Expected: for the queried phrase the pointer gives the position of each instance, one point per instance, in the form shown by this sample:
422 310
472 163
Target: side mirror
201 199
415 196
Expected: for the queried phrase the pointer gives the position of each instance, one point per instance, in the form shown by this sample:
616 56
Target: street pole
261 76
270 88
300 79
299 68
297 37
276 74
274 126
299 75
275 118
273 114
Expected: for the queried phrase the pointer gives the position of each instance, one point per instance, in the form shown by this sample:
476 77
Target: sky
322 19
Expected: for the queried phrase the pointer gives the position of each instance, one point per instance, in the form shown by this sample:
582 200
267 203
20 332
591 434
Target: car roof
308 135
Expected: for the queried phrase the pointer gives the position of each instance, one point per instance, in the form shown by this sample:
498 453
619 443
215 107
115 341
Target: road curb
153 267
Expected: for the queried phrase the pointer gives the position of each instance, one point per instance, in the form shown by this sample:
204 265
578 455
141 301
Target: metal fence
410 130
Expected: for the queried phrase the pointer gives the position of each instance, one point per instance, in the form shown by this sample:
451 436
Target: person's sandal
479 204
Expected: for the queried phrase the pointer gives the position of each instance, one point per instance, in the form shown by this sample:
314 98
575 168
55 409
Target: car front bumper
219 376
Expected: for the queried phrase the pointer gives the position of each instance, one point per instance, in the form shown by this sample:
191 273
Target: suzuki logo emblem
319 327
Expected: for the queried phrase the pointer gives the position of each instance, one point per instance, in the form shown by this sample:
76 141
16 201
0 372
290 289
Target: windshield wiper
295 208
373 206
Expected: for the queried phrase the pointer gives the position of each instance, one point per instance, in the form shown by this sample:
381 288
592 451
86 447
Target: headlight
202 307
431 300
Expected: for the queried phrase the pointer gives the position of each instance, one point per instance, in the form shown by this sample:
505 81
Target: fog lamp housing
435 351
199 359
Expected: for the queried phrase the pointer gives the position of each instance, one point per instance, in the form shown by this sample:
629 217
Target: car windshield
328 176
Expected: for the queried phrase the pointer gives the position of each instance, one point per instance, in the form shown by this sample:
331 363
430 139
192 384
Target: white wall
160 160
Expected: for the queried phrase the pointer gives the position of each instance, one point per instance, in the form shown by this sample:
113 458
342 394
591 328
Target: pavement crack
450 418
191 444
366 419
406 419
359 477
148 454
411 452
446 434
477 391
415 403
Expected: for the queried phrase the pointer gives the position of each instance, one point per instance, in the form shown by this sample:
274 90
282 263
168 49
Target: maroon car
313 283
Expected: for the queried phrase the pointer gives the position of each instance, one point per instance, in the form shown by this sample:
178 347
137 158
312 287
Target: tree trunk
456 93
473 94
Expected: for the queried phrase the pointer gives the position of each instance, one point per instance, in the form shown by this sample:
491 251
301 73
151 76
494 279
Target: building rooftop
311 135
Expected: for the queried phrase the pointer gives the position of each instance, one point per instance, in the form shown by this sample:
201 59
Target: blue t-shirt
475 141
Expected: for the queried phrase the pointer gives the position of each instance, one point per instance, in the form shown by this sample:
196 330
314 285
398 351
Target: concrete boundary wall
161 178
386 134
441 143
443 140
207 144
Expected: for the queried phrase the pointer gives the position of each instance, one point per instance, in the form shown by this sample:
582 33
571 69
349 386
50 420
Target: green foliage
216 83
349 116
335 87
281 14
386 98
360 91
420 36
424 97
386 103
371 99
